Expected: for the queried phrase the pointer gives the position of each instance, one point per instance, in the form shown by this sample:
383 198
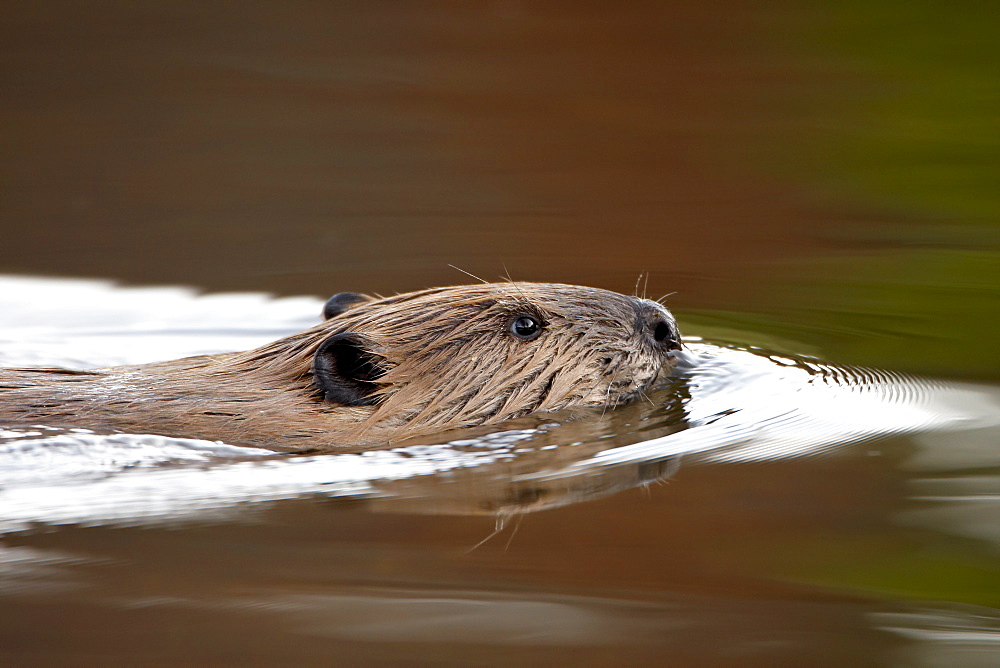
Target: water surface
750 443
814 181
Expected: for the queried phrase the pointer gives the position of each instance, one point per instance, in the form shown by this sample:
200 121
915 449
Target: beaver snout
658 326
665 334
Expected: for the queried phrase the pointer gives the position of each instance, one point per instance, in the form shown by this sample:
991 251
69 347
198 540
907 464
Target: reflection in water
821 175
938 636
720 405
361 554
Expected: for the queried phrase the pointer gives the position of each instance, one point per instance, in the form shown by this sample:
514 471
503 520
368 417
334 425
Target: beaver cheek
345 370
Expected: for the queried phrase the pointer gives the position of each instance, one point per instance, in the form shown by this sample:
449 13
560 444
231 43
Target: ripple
721 405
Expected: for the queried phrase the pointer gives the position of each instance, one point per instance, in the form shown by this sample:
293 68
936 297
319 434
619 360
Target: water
817 483
722 409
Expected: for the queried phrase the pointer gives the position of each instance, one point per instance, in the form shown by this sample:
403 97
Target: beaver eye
526 327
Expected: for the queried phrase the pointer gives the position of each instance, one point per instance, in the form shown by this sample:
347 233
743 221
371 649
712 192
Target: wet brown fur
448 357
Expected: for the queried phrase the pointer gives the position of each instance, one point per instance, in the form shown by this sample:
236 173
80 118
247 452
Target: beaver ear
345 370
342 301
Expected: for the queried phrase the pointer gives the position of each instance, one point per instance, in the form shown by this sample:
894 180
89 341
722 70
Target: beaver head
478 354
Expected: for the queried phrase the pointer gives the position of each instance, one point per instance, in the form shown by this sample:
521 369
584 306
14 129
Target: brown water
815 182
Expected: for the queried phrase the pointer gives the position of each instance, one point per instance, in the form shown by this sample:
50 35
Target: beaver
376 371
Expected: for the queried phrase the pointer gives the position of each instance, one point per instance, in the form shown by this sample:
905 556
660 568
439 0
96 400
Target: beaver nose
656 324
664 333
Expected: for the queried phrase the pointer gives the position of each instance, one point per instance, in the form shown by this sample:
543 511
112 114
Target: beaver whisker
613 372
499 525
607 400
669 294
467 273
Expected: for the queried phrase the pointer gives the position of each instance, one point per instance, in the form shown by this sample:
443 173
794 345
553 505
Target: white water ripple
737 406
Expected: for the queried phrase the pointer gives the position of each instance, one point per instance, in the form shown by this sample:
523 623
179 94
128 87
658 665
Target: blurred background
811 176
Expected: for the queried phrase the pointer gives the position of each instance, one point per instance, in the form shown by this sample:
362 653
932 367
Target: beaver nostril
661 331
664 334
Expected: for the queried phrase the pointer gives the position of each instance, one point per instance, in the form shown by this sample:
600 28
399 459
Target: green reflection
918 128
914 138
886 566
932 311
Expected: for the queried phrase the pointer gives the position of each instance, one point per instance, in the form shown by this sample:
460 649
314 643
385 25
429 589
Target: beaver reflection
377 370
